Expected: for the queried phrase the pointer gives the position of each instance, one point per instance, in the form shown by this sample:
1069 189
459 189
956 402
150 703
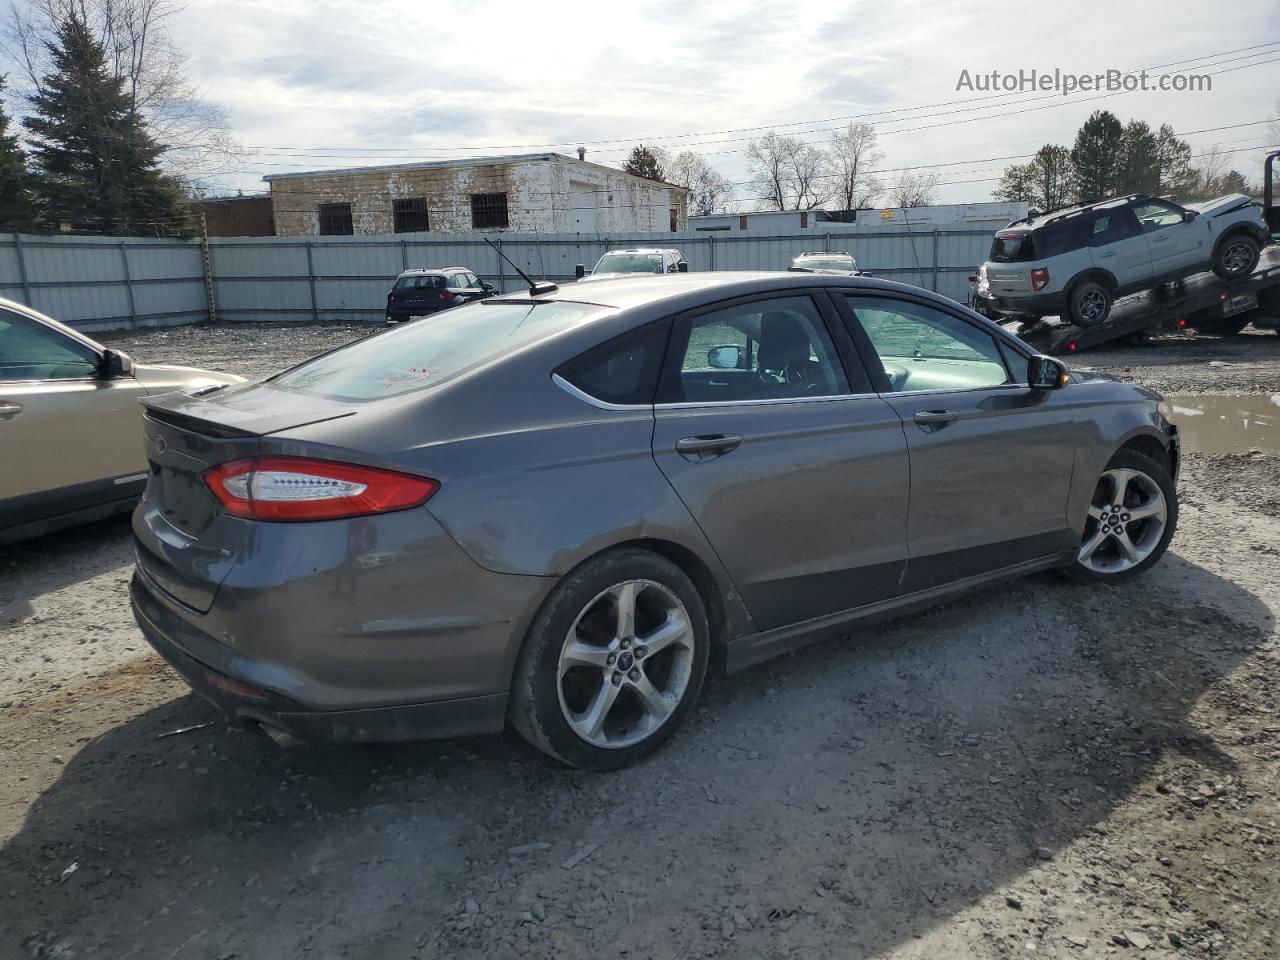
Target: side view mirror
973 278
682 267
115 363
486 286
1189 215
1046 373
579 271
725 358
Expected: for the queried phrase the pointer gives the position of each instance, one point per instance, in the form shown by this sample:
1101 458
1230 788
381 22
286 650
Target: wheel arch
1100 274
1236 230
1152 447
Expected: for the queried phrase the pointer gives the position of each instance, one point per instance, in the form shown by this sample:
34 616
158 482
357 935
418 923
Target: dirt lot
1039 770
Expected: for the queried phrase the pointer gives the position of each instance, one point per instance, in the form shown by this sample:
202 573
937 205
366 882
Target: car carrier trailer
1203 302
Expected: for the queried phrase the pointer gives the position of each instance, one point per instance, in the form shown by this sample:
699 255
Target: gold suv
70 423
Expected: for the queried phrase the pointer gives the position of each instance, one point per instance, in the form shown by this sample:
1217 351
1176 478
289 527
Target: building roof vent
582 153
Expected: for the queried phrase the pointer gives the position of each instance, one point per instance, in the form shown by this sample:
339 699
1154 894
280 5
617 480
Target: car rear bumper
1037 304
246 702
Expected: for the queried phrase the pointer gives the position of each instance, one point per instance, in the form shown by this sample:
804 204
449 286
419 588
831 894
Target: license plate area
1239 303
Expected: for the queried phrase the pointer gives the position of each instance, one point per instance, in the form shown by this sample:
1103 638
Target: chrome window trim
690 405
585 397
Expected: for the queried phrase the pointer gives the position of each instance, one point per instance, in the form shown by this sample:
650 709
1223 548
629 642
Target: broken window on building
335 219
488 210
411 215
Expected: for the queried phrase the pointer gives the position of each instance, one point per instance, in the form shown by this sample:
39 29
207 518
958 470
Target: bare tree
913 189
142 54
1273 128
853 154
789 173
709 192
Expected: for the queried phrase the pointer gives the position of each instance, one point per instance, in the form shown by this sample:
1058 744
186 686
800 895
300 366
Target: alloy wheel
1092 306
625 664
1126 522
1237 258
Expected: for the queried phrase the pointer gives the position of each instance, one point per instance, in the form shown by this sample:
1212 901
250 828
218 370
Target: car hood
1232 201
161 377
1087 376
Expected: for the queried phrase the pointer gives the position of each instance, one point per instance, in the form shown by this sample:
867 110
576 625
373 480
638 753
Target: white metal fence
98 283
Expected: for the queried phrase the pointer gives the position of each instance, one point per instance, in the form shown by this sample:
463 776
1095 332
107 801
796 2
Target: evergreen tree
1176 174
1017 184
643 162
98 161
1139 168
1095 157
17 207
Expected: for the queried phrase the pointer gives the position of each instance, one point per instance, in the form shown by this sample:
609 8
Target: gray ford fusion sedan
561 508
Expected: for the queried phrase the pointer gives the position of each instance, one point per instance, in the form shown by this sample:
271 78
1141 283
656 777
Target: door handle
9 410
1109 253
704 448
935 418
1160 240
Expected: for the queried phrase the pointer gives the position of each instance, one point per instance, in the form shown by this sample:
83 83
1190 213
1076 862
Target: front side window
419 355
488 211
772 349
922 348
335 219
1156 215
31 351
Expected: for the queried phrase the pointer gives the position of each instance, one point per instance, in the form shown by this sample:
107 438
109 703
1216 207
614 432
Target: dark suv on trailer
420 292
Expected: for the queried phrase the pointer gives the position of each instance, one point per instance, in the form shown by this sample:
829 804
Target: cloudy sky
311 84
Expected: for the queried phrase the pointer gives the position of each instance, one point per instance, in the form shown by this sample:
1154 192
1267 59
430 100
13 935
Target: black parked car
420 292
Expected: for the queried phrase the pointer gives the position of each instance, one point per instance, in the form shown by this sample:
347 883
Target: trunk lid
185 544
1009 280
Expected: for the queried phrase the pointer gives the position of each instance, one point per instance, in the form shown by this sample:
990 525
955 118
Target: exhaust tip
281 739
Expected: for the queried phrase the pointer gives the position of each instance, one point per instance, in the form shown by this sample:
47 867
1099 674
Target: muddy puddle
1214 424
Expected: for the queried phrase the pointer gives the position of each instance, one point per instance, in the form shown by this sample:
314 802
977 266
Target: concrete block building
542 192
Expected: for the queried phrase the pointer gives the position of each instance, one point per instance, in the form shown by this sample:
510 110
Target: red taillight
1072 346
299 488
1039 278
390 297
446 294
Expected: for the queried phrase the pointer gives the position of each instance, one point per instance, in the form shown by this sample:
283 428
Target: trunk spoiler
242 410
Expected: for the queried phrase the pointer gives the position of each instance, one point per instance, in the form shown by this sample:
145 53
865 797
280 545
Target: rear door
991 459
1177 245
798 478
64 429
1119 246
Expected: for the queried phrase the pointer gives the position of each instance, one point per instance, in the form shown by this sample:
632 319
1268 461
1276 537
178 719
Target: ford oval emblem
159 442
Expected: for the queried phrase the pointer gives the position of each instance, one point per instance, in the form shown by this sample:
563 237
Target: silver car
560 509
69 419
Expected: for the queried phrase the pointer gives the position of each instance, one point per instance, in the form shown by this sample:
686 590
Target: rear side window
420 355
1012 246
1057 238
1112 226
624 370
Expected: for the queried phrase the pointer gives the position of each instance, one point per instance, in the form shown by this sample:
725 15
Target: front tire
1132 517
1089 303
1237 257
613 662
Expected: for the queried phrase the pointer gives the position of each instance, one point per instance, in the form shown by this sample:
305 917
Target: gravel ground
1041 769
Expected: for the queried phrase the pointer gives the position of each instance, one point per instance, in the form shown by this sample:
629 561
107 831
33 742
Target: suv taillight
447 294
299 488
1039 278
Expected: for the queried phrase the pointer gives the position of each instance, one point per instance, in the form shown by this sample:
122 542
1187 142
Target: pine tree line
93 166
1110 159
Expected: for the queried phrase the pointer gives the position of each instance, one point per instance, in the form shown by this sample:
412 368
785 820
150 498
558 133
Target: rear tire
1237 256
1132 517
1089 303
597 687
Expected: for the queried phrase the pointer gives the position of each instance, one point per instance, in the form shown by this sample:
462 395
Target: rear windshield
1012 246
630 263
426 282
429 351
826 263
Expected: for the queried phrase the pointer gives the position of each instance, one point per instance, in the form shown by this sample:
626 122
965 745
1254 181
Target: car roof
685 291
431 271
824 253
1074 210
641 250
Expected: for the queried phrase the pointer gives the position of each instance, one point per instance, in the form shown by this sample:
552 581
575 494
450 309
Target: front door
799 483
61 424
991 459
